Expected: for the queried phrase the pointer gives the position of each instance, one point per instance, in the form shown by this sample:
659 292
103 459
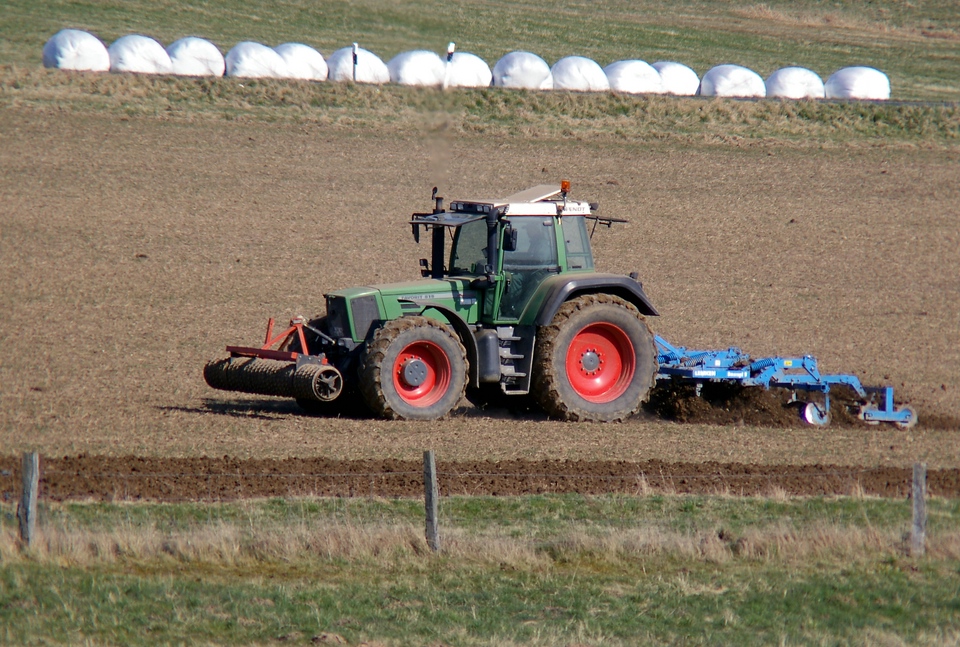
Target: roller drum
251 375
323 383
273 377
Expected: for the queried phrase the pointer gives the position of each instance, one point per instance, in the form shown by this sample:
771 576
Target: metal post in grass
27 510
431 494
918 535
355 61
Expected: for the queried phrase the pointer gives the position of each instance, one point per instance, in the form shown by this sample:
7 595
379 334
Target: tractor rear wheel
413 369
596 361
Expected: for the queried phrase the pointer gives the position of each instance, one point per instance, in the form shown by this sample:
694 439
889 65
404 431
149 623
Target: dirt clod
723 404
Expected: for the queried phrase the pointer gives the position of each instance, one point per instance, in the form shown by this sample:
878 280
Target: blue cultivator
794 373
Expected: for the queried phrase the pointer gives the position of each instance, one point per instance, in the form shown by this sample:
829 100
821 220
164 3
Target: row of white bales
79 50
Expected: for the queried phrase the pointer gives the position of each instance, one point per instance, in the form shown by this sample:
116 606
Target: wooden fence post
430 497
27 510
919 533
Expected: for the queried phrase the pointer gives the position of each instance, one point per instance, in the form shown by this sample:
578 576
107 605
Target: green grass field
916 43
541 570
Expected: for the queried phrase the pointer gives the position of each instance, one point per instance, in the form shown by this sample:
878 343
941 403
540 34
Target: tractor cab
509 246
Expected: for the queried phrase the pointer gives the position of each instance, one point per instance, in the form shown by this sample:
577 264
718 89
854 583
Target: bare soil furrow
135 478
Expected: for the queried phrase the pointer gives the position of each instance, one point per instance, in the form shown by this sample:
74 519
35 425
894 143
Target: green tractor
513 308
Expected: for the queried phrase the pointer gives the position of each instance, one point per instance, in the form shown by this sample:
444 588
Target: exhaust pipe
319 382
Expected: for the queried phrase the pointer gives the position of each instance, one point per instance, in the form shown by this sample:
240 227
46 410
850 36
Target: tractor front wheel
413 369
596 361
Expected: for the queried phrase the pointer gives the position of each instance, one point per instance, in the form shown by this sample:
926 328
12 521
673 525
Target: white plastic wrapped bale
858 83
466 70
795 83
192 56
522 70
732 81
139 54
249 60
677 78
72 49
370 69
303 61
418 67
633 77
579 73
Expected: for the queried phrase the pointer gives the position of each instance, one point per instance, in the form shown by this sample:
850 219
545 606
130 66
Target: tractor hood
357 312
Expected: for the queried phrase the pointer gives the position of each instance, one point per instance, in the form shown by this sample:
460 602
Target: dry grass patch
492 112
529 570
244 534
845 21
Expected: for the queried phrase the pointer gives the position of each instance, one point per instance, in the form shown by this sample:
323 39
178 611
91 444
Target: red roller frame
266 352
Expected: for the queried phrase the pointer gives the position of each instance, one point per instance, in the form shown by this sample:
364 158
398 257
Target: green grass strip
537 570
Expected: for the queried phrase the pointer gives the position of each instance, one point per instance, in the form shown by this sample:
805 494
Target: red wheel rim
435 377
601 362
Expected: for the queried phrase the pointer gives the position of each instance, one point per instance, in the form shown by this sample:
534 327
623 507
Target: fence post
27 510
919 534
430 496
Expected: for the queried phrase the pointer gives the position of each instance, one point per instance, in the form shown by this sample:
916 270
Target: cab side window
577 243
469 251
536 244
534 259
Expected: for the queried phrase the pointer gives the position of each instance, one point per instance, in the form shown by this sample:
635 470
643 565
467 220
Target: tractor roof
534 194
535 201
540 200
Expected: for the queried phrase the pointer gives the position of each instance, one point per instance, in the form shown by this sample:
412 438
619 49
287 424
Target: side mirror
510 239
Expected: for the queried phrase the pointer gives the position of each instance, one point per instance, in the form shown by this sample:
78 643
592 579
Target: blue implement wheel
815 414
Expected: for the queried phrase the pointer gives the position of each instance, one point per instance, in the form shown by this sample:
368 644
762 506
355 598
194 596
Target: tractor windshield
469 252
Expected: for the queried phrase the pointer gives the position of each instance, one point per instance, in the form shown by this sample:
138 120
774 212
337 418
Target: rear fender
560 289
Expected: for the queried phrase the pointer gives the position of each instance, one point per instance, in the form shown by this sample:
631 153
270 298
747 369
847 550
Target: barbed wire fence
56 483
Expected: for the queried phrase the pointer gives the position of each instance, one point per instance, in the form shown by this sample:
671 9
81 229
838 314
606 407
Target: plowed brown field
217 479
133 250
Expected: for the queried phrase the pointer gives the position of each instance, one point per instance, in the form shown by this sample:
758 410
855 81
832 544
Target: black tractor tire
414 368
596 361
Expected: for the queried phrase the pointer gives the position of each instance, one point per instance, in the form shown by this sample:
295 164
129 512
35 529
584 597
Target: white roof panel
534 194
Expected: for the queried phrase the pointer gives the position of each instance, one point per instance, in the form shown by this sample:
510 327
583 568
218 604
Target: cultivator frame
732 365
